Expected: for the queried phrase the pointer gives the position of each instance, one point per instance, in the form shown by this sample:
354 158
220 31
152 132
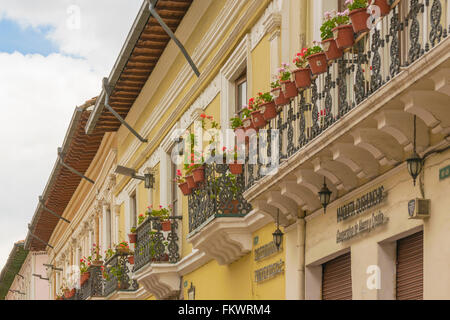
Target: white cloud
104 25
38 95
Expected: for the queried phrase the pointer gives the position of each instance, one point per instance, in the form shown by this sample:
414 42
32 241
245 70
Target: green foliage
356 4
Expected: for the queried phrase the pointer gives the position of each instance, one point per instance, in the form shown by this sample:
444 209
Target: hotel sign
265 251
363 226
269 272
361 204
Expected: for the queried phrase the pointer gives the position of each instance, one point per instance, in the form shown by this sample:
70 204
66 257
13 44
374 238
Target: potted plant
385 8
277 93
123 248
131 258
236 123
95 259
69 293
267 107
182 184
316 59
232 185
84 270
287 85
343 31
257 116
247 120
329 45
234 166
163 214
358 15
132 235
302 74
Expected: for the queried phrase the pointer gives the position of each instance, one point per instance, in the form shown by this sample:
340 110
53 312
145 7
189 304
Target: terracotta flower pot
289 89
122 250
249 125
318 63
132 237
359 18
185 188
97 263
84 277
131 259
281 100
385 8
302 77
268 110
190 181
275 92
331 49
199 174
166 225
234 210
258 119
235 168
69 293
344 36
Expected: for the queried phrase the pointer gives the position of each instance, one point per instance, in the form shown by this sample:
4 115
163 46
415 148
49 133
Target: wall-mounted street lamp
325 196
148 178
278 235
415 162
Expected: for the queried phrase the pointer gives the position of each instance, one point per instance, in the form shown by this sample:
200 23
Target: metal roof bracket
151 6
41 201
61 160
37 238
108 91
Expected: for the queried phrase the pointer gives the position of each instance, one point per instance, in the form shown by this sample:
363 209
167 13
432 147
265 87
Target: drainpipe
301 237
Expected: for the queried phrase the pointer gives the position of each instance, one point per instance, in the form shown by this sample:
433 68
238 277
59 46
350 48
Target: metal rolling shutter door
337 279
410 267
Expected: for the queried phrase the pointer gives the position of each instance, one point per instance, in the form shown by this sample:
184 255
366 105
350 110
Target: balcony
221 221
356 121
93 287
118 276
156 254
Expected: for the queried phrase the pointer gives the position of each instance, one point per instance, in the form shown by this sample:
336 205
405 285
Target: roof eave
127 49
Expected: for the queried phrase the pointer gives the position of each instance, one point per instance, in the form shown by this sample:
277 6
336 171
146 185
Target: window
133 210
241 92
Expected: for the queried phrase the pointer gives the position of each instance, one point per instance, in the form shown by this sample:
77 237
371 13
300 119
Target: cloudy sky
53 55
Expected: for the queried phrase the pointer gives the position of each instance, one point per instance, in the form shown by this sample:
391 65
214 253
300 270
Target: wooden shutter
410 267
337 279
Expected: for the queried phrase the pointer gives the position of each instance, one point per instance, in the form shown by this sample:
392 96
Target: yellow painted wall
236 281
261 67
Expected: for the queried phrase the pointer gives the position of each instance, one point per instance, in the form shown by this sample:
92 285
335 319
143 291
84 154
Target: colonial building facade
351 132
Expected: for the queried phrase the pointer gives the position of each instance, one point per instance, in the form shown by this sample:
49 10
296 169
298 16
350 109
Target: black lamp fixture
415 162
325 196
148 178
278 235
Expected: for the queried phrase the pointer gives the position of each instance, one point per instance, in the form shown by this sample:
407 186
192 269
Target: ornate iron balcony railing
118 275
399 39
153 245
219 196
93 287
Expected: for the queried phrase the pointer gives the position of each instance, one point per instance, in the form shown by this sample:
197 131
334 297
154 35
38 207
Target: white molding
228 239
164 280
270 18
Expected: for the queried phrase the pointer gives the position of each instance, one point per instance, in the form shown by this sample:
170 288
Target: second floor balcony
357 119
221 221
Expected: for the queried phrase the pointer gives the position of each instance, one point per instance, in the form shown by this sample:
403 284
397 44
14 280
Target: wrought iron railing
153 245
117 275
93 287
219 195
412 28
